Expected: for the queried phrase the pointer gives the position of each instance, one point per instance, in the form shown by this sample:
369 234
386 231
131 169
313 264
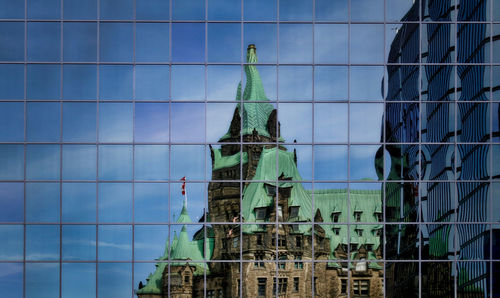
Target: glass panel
116 9
192 113
151 43
295 82
296 10
11 159
11 280
224 42
42 280
79 202
11 122
44 41
78 280
80 42
115 122
114 280
43 162
330 115
152 10
79 122
260 10
116 42
11 202
361 162
12 37
115 202
42 202
366 82
79 82
188 10
369 129
330 162
115 243
291 129
188 82
80 10
219 117
327 10
222 82
331 43
151 162
42 242
195 196
152 82
115 82
78 242
264 37
44 9
11 80
151 202
79 162
151 122
295 43
13 242
43 81
115 162
43 121
224 10
12 9
367 10
362 52
188 49
330 82
149 242
189 161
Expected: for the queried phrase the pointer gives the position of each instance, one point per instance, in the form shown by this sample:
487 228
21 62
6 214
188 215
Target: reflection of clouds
115 245
366 121
331 43
10 269
330 122
295 43
366 82
188 122
42 256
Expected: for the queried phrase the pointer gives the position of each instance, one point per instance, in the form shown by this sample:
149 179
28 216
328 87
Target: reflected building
291 242
445 180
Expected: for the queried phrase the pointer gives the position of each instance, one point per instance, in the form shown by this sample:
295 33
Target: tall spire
184 217
254 90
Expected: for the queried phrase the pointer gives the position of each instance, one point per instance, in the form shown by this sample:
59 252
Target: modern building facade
438 129
297 240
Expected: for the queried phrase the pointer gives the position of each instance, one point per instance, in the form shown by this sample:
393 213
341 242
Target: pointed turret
184 217
254 115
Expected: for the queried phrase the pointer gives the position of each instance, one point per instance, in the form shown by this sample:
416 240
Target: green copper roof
184 217
153 285
227 161
254 115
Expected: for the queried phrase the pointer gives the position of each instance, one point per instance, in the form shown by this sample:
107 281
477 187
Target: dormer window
271 190
378 216
357 216
260 213
354 247
369 247
336 231
335 216
359 232
294 211
377 232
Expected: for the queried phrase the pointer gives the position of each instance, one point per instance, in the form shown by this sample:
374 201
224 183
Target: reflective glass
368 130
226 10
78 202
42 242
149 242
365 82
192 113
334 116
296 10
290 129
151 202
11 122
295 43
363 52
327 10
152 82
224 42
11 81
152 9
264 37
11 161
151 122
114 279
361 162
44 9
115 243
80 10
78 242
115 82
222 81
116 9
42 202
188 82
260 10
13 236
188 10
115 202
151 162
331 43
79 162
115 162
12 9
44 41
78 280
12 37
43 162
115 122
295 83
188 161
80 42
43 81
44 280
151 42
79 82
11 280
188 49
79 122
330 162
330 83
116 42
43 121
11 202
219 116
367 10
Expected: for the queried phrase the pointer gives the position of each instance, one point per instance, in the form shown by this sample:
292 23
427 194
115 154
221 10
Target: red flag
183 179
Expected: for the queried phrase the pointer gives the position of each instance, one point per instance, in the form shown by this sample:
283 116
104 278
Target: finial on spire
251 46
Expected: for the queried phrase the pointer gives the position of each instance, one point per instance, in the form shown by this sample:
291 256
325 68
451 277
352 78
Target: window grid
205 180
